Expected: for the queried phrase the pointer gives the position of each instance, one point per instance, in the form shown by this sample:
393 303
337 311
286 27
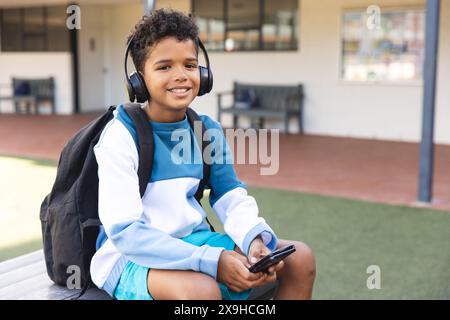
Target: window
393 50
34 29
247 25
211 22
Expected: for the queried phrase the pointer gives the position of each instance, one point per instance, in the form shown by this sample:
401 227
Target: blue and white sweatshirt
147 231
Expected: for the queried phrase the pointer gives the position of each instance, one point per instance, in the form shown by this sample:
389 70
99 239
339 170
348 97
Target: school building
360 61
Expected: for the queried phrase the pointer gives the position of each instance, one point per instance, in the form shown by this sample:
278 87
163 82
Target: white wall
91 57
442 122
181 5
332 107
101 70
39 65
120 21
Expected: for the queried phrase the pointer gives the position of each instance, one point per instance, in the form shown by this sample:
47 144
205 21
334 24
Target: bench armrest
293 101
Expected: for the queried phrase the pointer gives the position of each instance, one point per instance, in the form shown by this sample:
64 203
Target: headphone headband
126 59
205 53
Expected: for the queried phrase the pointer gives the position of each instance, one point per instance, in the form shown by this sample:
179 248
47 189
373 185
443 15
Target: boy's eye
163 68
191 66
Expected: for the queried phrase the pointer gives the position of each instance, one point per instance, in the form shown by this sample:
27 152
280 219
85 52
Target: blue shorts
133 280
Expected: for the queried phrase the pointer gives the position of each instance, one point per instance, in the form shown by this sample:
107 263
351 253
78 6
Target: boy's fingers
276 267
250 276
246 275
279 265
264 280
242 283
271 277
261 281
242 259
253 260
238 284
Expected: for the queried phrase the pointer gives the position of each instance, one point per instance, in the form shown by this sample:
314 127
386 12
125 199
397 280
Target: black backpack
69 213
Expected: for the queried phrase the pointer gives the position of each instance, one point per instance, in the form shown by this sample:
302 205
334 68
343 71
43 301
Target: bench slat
7 266
51 292
55 292
22 288
25 277
22 273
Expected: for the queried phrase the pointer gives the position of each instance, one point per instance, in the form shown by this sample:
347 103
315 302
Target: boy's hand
232 270
257 251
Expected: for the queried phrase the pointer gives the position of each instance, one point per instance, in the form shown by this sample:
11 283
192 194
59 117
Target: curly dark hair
157 25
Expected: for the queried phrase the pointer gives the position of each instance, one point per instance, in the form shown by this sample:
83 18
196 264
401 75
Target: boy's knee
303 260
201 287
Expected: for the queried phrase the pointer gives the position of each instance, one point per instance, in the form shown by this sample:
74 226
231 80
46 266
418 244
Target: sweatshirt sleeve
121 211
229 199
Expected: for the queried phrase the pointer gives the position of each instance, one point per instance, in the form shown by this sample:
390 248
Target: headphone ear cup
138 87
205 81
210 82
130 91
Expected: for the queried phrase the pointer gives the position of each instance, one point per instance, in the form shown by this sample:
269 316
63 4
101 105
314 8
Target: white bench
25 278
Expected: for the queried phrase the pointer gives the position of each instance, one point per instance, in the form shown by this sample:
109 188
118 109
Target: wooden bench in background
31 94
272 101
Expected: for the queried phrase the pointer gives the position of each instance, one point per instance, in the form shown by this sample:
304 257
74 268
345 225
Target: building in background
360 64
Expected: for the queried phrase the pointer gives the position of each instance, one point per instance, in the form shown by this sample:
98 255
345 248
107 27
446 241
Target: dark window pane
241 40
33 43
11 31
57 32
210 21
247 24
280 24
243 28
33 19
33 29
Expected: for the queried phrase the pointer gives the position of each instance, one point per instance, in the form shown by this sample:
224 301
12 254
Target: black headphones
137 89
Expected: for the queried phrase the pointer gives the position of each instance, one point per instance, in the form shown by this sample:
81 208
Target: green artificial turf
411 246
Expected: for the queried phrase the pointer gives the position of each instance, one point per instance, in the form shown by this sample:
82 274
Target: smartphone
273 258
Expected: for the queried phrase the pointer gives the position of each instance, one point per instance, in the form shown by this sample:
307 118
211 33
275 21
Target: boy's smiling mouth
179 91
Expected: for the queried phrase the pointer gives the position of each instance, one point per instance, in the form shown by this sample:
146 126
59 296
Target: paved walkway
355 168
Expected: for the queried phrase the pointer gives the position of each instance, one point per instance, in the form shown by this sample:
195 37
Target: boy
159 247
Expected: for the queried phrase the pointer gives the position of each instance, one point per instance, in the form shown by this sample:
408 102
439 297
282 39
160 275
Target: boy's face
171 75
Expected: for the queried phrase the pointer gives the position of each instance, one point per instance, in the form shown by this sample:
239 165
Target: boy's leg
182 285
297 276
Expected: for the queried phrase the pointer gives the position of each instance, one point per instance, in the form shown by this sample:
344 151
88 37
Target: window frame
261 36
45 34
381 83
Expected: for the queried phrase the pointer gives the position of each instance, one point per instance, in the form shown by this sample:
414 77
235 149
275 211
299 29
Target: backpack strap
193 117
145 143
146 147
